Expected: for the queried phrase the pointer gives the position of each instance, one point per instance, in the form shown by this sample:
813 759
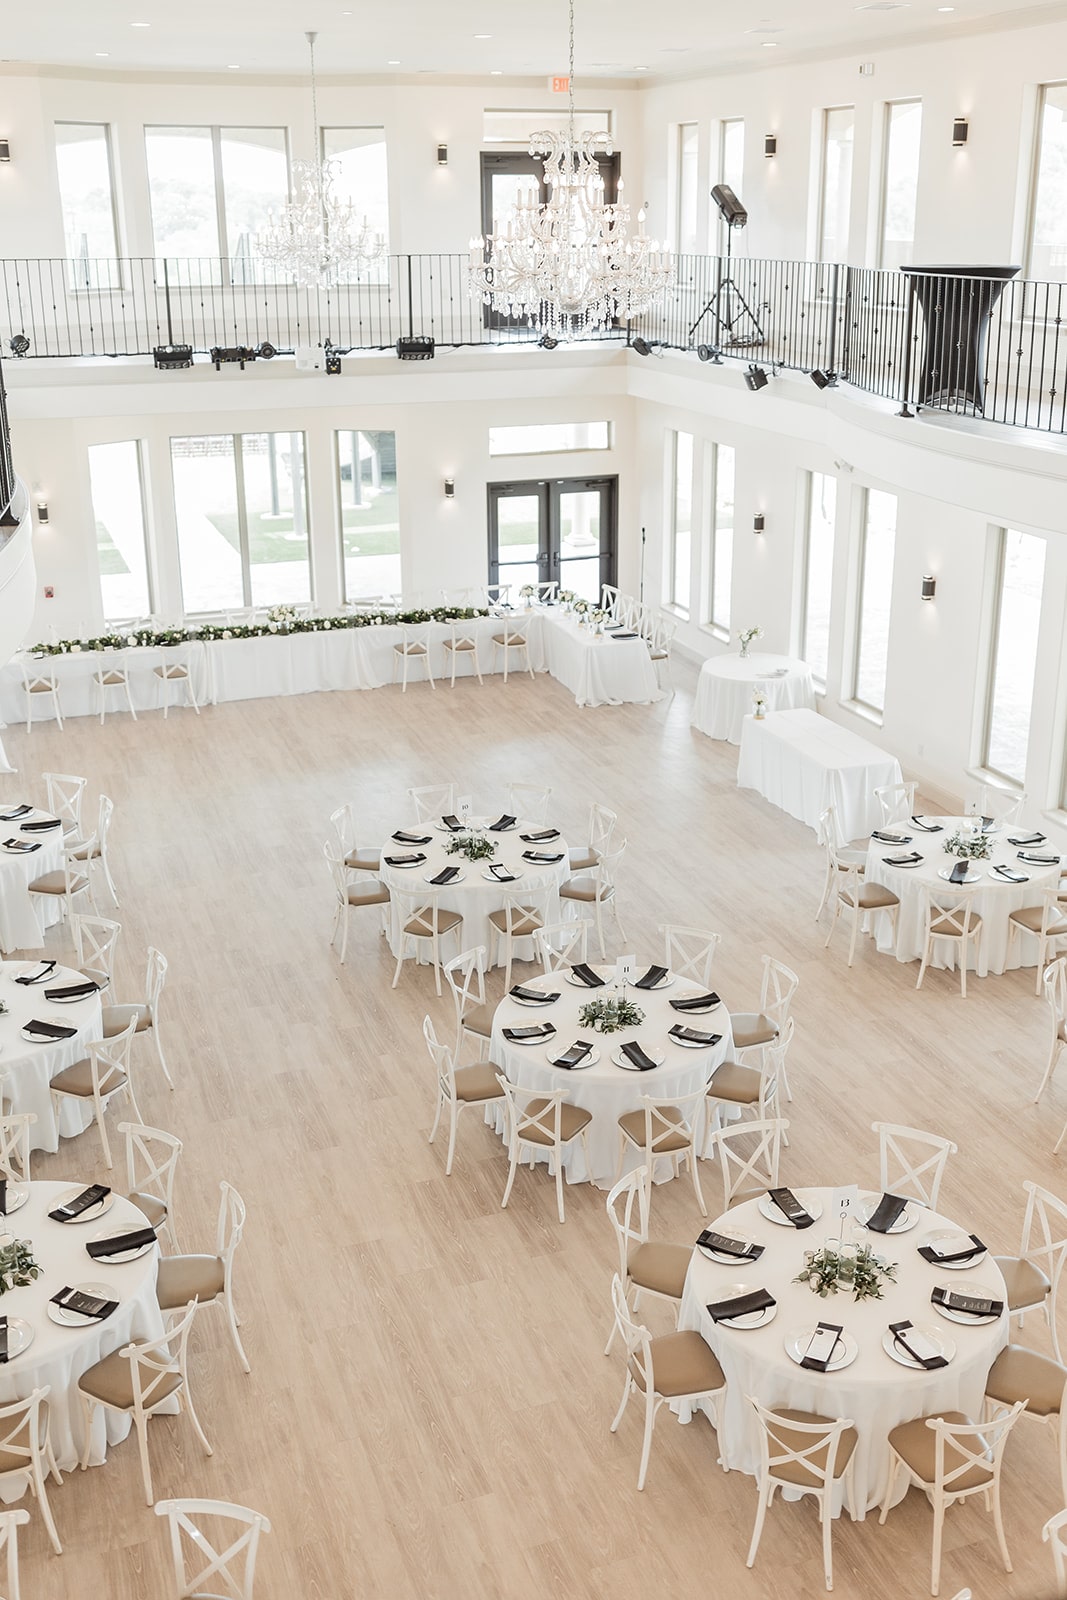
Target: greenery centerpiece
281 617
598 616
206 632
581 609
969 845
747 637
610 1015
528 593
475 846
829 1268
18 1266
759 704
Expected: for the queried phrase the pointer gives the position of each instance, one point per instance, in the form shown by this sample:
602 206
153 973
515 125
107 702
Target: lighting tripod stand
728 305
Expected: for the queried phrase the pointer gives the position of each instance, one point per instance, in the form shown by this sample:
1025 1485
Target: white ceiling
614 38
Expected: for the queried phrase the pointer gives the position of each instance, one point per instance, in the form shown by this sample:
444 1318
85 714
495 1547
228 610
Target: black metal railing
7 467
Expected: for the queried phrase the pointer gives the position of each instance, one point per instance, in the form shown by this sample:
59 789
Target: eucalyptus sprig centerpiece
475 846
825 1271
969 845
610 1015
18 1265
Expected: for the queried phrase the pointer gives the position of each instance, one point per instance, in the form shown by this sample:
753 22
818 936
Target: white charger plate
17 1195
590 1060
92 1214
658 1056
71 999
535 1005
768 1209
945 1345
719 1257
962 1318
127 1255
409 844
664 983
908 1219
472 825
973 876
13 850
752 1319
491 877
796 1344
540 1038
39 1038
71 1319
404 866
690 1044
19 1336
428 877
954 1239
578 984
32 967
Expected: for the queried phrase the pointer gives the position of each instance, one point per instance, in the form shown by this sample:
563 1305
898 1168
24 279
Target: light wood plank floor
428 1409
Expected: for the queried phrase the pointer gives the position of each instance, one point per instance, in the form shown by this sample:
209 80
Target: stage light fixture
230 355
266 351
415 347
546 342
708 352
20 344
731 210
823 379
755 378
172 357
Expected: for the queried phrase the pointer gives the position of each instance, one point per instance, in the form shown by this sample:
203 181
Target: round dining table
27 1066
874 1390
477 892
727 684
24 917
993 896
603 1087
56 1356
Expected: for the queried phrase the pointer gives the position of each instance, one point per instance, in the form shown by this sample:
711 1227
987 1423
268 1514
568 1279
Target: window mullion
242 516
220 194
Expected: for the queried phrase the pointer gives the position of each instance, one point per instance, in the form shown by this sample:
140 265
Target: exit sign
559 85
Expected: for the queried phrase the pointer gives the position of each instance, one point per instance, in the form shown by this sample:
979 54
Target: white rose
131 638
326 625
226 634
75 647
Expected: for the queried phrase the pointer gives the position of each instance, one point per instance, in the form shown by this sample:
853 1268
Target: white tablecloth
27 1069
598 669
993 898
605 1089
875 1391
58 1356
78 696
727 683
476 896
803 762
24 917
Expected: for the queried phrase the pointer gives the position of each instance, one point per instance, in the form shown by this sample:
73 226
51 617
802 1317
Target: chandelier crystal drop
318 239
570 265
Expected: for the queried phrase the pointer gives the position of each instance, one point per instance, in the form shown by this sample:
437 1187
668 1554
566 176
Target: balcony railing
960 343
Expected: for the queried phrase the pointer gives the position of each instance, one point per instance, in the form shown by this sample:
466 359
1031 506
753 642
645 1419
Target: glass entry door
556 530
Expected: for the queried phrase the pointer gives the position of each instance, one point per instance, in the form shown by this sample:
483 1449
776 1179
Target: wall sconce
5 149
929 588
758 522
450 488
960 129
42 513
442 155
770 144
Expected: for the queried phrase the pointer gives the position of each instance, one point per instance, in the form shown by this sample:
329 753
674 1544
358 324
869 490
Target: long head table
802 763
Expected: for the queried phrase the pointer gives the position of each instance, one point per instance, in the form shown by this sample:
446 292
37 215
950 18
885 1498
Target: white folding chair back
94 849
535 1122
609 598
598 889
348 897
174 672
465 976
10 1522
751 1173
1054 1533
804 1458
496 594
65 795
896 802
911 1163
112 675
96 941
1003 805
527 801
197 1561
512 638
952 919
109 1065
672 1129
515 919
15 1146
412 649
421 919
151 1166
780 983
463 641
434 801
344 827
690 952
39 681
562 944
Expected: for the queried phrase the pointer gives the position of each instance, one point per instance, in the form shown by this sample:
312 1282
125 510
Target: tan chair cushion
410 649
632 1124
184 1278
1021 1374
14 1460
445 921
750 1029
42 688
1031 917
582 858
110 679
151 1205
1025 1283
364 860
660 1267
111 1381
572 1119
916 1444
460 644
586 889
479 1021
943 928
54 883
477 1082
872 897
514 643
683 1364
732 1081
78 1080
527 924
171 672
795 1471
376 896
85 852
115 1018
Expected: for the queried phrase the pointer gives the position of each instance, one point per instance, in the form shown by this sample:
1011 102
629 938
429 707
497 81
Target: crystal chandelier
318 239
571 264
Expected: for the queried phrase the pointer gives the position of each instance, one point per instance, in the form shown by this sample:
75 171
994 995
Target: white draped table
802 763
603 1088
875 1391
993 897
727 684
599 669
27 1068
22 920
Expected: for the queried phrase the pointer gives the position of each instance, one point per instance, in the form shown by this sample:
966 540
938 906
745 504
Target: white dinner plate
71 1319
39 1038
536 1039
127 1255
405 866
753 1319
974 875
690 1044
768 1209
19 1336
409 844
953 1239
724 1260
535 1005
32 967
17 1195
472 825
664 983
428 877
93 1214
70 999
796 1343
907 1220
491 877
982 1291
13 850
578 984
945 1345
658 1056
590 1060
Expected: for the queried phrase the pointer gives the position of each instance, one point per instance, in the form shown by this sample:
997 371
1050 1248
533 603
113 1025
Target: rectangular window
731 171
878 541
720 555
361 170
515 127
836 201
370 517
681 543
241 509
119 514
1048 237
900 181
87 197
549 438
687 191
1020 576
818 574
211 190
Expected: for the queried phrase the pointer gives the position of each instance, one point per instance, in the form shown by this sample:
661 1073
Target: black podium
956 303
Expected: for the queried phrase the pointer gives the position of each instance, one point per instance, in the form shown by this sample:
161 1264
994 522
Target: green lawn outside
109 555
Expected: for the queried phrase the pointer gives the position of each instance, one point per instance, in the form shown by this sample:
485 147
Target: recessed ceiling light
496 72
884 5
233 66
140 24
483 35
770 44
392 63
103 52
946 8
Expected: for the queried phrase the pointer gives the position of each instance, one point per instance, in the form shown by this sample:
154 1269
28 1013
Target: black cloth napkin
1038 861
82 1202
453 822
501 873
649 980
47 1030
23 846
3 1338
411 838
539 838
586 975
791 1208
889 1208
100 1249
912 859
542 857
543 1030
890 838
928 827
972 1305
710 1240
538 996
502 824
634 1053
574 1055
692 1035
959 872
86 1305
44 826
743 1306
988 824
899 1331
928 1253
73 991
813 1363
1027 838
697 1002
625 636
1009 875
13 816
415 859
446 875
44 971
3 1196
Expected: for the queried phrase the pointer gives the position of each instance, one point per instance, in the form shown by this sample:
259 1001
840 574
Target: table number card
463 806
624 969
843 1203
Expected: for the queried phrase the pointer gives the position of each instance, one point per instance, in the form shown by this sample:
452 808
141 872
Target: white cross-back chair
601 829
1033 1276
152 1157
1046 921
656 1269
496 594
609 598
465 976
961 1459
102 1074
597 890
26 1453
349 896
676 1367
10 1522
896 801
95 941
802 1453
1003 805
690 952
457 1087
1041 1384
39 681
112 676
462 640
1054 980
951 919
15 1145
66 793
433 801
527 801
174 676
545 1124
660 644
424 922
755 1030
357 858
512 642
208 1279
92 851
671 1128
748 1173
753 1088
512 921
840 855
64 883
197 1561
911 1162
1054 1533
412 649
858 898
562 944
144 1013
